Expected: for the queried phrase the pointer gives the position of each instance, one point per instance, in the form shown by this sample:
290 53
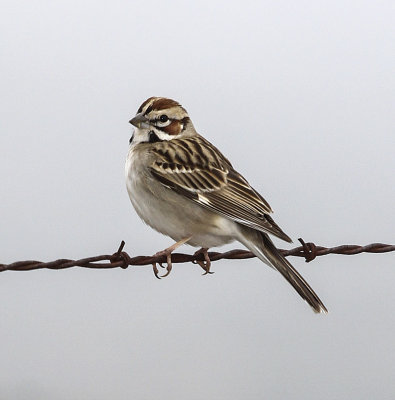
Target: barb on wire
121 259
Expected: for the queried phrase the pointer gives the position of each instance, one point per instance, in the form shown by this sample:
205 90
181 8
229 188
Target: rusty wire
121 259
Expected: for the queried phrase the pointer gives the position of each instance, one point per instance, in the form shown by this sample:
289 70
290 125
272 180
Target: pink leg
167 252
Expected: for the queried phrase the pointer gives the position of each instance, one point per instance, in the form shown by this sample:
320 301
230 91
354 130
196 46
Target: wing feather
210 181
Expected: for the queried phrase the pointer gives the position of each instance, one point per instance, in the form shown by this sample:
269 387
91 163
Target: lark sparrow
182 186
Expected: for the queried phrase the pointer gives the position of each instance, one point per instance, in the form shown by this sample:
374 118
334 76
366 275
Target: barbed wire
121 259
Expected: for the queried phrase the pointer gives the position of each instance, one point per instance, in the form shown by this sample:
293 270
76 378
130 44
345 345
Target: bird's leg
206 264
167 252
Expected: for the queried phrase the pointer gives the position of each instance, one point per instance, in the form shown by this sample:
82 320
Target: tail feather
261 245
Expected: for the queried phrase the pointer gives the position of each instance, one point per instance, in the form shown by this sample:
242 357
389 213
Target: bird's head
158 119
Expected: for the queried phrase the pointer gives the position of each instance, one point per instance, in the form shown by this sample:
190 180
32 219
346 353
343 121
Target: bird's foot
167 253
206 264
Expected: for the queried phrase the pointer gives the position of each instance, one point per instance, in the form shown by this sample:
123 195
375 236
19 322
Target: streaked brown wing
193 178
197 170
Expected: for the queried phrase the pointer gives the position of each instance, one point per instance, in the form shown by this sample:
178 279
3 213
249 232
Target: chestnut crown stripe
158 104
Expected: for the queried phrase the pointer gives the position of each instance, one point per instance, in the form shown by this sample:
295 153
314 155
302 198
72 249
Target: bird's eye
163 118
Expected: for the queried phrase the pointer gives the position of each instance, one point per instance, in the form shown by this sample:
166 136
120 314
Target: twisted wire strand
121 259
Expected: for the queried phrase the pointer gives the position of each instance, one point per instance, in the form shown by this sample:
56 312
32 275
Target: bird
182 186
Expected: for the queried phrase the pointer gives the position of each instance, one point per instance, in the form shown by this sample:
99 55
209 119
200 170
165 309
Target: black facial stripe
184 121
153 137
148 110
131 139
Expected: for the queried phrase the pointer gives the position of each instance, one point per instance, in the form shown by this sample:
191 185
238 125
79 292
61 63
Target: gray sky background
299 95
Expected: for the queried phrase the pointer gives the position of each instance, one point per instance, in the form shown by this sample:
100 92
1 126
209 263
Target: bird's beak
139 121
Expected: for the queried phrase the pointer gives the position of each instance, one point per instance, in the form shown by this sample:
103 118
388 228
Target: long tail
261 245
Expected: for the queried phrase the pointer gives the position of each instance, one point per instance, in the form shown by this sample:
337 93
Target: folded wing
197 170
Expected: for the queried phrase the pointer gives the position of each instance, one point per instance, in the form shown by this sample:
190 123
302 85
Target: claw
206 264
156 271
169 265
168 268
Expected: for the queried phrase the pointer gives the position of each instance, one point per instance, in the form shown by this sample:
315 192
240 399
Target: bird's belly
173 215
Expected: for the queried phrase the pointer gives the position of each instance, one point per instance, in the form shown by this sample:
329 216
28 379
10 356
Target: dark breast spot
153 137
